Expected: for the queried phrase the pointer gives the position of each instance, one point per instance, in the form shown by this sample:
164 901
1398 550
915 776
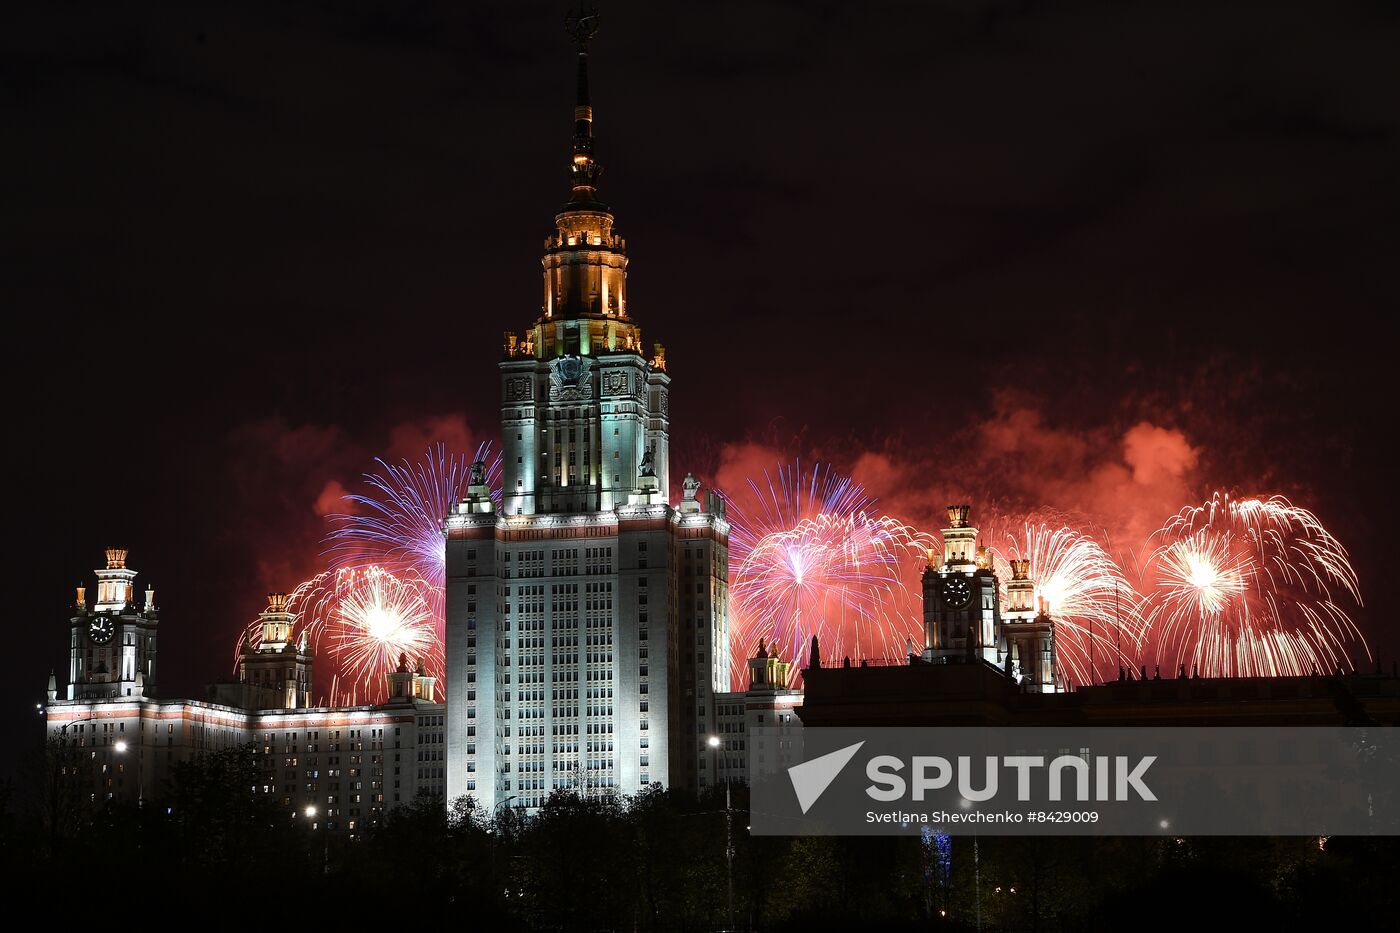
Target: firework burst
786 497
398 522
358 622
1252 587
808 556
383 596
1097 612
367 619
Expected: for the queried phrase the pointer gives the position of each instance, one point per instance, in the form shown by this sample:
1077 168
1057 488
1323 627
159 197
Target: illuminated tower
277 667
587 620
583 409
767 671
1029 632
1020 593
408 682
112 646
114 582
962 609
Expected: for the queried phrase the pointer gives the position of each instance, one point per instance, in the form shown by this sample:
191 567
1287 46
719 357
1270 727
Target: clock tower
112 644
962 608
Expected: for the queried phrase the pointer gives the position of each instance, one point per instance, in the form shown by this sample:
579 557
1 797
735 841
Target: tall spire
583 310
582 26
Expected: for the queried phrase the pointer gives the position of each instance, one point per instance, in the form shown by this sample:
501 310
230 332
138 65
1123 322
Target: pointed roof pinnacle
582 26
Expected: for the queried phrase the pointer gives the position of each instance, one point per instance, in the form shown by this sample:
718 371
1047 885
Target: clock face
100 630
956 592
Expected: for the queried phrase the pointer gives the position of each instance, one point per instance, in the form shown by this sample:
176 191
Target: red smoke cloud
1126 479
408 440
739 463
333 499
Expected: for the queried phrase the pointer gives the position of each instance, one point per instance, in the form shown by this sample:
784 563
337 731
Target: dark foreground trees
655 862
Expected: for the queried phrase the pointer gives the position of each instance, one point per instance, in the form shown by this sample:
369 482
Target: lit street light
714 744
310 813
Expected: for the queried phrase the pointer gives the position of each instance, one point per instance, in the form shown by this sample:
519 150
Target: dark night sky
246 247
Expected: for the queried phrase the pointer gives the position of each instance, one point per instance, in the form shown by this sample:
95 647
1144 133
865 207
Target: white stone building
339 767
767 702
587 621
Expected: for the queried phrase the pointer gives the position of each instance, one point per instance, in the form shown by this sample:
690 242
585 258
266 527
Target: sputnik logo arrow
811 778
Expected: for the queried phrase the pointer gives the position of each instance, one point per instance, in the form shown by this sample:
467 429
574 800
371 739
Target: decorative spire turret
1020 592
959 539
585 261
582 27
114 586
275 661
277 623
767 670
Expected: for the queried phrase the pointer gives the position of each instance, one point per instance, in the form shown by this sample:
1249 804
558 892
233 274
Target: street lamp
310 812
120 748
714 744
